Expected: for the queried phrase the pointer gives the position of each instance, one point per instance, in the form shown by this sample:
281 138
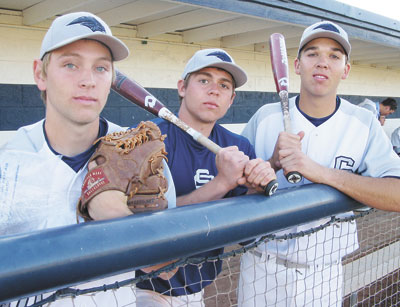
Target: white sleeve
396 140
396 137
250 129
170 194
379 158
24 203
369 107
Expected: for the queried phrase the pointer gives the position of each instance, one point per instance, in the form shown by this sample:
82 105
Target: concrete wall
157 65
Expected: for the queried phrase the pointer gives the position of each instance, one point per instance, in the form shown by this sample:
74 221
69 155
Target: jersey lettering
202 177
344 163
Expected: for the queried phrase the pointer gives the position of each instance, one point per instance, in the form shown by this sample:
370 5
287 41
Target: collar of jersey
317 121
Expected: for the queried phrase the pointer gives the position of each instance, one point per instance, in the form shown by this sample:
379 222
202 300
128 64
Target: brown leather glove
131 162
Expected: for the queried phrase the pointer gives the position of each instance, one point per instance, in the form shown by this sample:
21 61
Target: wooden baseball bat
137 94
280 70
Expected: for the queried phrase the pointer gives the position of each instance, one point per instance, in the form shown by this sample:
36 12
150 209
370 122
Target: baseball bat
137 94
280 70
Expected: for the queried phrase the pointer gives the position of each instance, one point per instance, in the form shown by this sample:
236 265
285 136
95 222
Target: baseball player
380 109
207 90
335 143
43 166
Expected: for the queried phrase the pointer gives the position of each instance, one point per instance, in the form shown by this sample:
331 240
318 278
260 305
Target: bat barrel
279 62
134 92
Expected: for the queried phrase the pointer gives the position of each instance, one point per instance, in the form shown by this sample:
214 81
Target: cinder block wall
157 64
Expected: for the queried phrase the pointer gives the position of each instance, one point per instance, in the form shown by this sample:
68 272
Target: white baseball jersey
38 190
351 139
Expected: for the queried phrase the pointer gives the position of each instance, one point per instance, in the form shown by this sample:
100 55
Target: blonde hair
43 74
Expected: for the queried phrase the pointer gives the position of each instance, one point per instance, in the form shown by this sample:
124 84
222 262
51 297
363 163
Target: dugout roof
242 24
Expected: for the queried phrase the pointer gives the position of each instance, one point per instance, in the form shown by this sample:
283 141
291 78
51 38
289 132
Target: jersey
40 188
395 138
351 139
192 165
374 107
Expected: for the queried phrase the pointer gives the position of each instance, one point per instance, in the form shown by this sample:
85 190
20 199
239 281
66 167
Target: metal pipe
51 259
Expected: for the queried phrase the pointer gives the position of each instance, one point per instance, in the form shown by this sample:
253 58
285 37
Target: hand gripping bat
137 94
280 70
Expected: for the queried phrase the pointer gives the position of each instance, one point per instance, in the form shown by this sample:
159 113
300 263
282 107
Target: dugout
163 35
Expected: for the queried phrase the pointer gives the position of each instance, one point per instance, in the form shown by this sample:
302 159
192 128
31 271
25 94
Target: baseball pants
266 280
148 298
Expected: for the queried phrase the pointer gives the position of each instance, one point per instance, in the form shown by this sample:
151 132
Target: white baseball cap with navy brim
72 27
215 58
326 29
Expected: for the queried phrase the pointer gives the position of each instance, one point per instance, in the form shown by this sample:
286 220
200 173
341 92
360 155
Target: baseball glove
131 162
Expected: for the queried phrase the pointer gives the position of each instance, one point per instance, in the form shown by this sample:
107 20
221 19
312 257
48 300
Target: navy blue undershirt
317 121
79 161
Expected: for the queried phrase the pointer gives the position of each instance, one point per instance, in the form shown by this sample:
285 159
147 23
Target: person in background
380 109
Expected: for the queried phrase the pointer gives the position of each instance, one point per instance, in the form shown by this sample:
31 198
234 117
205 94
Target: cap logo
327 27
89 22
221 55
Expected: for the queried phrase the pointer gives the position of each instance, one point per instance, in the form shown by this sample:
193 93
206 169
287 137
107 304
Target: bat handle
294 177
271 188
207 143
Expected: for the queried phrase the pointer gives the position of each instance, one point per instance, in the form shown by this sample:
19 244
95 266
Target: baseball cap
326 29
72 27
215 58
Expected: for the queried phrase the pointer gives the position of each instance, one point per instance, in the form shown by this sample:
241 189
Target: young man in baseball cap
206 90
334 143
46 161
